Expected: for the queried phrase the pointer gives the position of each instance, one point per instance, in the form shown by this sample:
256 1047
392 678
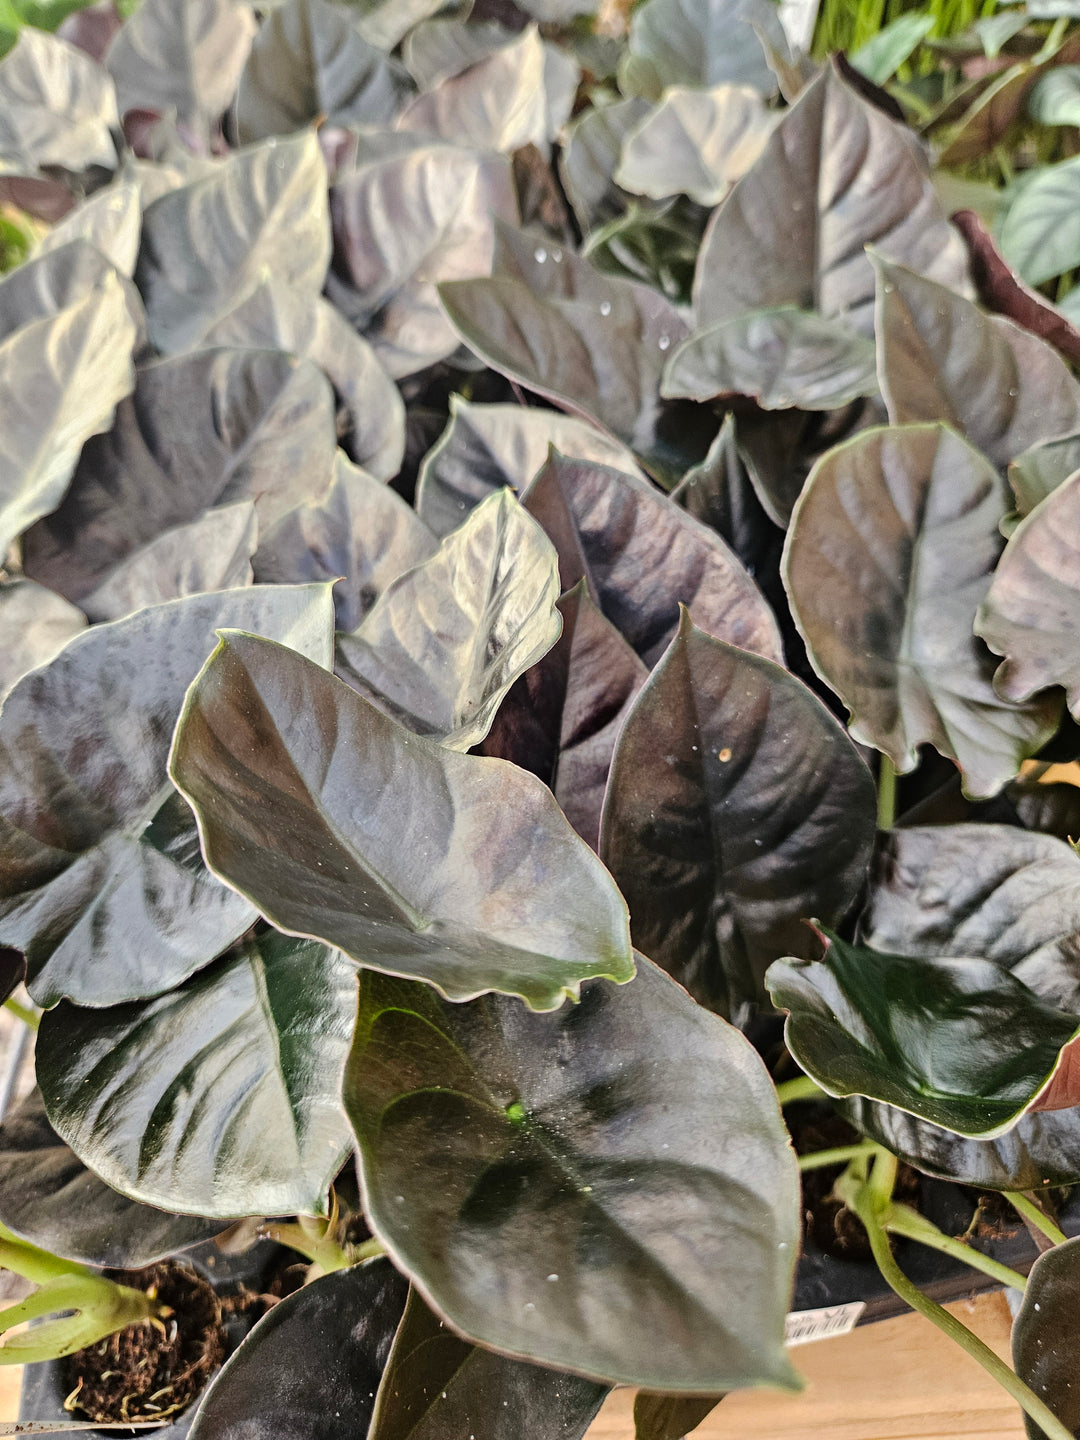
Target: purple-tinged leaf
57 106
35 625
110 219
700 43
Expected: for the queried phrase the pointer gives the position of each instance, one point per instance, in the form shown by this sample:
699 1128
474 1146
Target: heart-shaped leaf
49 1197
780 358
280 317
57 106
444 200
643 556
316 1358
361 531
959 1042
891 549
110 220
1040 235
437 1384
695 143
941 358
408 856
843 175
1045 1334
737 808
201 430
212 553
539 1209
220 1098
266 207
1032 609
486 447
35 625
700 42
310 60
670 1417
182 57
101 882
442 645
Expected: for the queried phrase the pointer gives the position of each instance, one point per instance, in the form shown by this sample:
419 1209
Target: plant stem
303 1235
1030 1211
370 1250
903 1220
801 1088
839 1155
24 1013
886 794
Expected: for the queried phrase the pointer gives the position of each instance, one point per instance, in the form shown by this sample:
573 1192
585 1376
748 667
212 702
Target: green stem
886 794
869 1202
839 1155
303 1236
1030 1211
370 1250
903 1220
801 1088
23 1012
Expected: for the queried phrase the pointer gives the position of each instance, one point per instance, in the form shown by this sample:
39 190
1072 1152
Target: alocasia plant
528 553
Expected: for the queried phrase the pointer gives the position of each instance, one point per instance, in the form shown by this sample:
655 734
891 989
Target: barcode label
802 1326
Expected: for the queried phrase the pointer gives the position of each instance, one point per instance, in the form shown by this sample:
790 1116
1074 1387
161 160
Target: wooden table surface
896 1380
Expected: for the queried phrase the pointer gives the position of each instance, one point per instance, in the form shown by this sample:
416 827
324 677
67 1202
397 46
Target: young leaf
408 856
1045 1334
736 809
958 1042
266 208
486 447
57 106
317 1357
941 358
891 549
49 1197
220 1098
700 42
185 57
110 220
201 430
843 175
442 645
436 1384
779 449
1040 234
537 1209
670 1417
101 883
643 556
1038 471
310 61
35 625
780 358
361 531
1032 608
211 553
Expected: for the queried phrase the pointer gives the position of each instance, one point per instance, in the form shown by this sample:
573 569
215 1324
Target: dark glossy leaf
486 447
101 883
266 208
670 1417
280 317
842 175
12 971
537 1206
35 625
221 1098
941 358
361 531
49 1197
211 553
436 1384
560 720
591 152
1041 469
445 641
780 358
643 556
185 57
57 106
406 855
110 219
1031 613
737 808
695 143
310 61
1039 236
891 549
593 344
958 1042
700 42
444 199
1050 808
310 1368
1045 1337
201 430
